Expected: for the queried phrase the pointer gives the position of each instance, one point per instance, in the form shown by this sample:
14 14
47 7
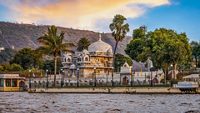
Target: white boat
190 83
186 85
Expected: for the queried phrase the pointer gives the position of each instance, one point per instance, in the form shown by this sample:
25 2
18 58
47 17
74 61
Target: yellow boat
12 83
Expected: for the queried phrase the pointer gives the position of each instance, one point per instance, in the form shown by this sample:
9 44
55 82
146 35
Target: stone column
4 83
11 82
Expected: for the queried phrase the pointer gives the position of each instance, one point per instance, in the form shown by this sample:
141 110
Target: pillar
11 82
4 83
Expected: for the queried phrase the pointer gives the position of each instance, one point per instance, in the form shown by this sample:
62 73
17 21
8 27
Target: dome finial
99 36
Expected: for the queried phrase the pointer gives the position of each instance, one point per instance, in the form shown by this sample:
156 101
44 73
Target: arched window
86 59
79 59
68 60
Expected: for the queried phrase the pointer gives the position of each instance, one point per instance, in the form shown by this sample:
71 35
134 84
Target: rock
131 101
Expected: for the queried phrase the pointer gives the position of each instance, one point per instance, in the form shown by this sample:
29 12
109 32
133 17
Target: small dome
100 46
109 51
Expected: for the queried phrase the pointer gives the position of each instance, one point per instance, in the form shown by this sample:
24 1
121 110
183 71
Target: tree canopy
120 60
165 47
119 29
26 58
196 52
135 48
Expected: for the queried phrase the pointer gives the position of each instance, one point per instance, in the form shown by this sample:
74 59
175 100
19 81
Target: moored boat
11 83
190 83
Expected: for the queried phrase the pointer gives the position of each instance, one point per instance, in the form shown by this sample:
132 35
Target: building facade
94 62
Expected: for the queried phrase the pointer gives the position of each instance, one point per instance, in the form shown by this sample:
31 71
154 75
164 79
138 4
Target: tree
83 43
120 60
53 45
163 46
49 65
15 67
25 57
169 48
119 29
196 51
135 49
10 67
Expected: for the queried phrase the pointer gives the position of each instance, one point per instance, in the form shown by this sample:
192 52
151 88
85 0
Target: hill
18 36
25 35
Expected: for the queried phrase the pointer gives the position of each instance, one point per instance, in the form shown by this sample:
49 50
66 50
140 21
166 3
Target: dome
109 51
100 46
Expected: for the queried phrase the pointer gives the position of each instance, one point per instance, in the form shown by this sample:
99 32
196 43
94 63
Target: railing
91 84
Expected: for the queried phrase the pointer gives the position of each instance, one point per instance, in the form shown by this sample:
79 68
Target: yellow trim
10 89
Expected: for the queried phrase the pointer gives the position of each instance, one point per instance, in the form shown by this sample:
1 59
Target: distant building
125 74
143 73
97 60
140 72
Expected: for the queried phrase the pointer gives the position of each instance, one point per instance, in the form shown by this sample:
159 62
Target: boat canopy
192 76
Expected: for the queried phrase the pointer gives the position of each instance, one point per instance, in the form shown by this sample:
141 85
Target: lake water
22 102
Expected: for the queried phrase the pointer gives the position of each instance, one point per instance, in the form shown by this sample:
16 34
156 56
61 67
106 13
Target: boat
190 83
11 83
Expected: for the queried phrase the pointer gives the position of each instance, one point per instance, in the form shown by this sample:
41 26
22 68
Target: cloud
82 14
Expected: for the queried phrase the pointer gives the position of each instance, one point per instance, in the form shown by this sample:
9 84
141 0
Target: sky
96 15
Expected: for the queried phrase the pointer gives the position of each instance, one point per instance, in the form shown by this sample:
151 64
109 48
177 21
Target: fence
66 84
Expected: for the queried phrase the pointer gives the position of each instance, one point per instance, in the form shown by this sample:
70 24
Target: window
14 83
68 60
79 59
8 82
86 59
1 82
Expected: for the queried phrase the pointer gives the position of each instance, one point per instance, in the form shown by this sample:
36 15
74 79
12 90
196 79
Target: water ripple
97 103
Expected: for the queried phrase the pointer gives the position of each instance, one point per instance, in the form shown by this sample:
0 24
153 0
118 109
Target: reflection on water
98 103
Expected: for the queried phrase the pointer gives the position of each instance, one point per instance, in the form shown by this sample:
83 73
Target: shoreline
113 90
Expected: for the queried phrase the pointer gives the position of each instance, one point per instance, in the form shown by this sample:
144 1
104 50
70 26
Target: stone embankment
128 90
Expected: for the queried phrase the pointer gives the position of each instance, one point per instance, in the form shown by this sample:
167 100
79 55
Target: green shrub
1 68
15 67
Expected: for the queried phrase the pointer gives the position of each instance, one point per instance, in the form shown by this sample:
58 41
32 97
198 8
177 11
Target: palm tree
52 44
83 43
119 29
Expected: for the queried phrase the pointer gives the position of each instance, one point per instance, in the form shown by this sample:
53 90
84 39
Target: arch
68 60
79 59
21 83
86 58
125 80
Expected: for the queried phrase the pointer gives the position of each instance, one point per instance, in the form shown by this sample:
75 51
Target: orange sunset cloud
82 14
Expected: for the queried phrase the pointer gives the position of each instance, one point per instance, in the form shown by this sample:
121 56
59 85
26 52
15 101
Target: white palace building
94 62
